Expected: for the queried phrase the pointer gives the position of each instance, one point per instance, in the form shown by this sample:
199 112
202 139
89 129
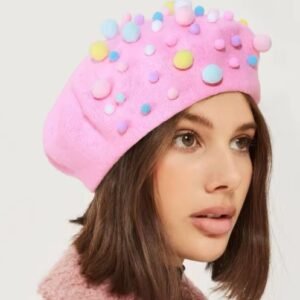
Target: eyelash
250 140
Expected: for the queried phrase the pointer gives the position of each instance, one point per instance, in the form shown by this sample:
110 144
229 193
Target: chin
205 257
211 258
208 251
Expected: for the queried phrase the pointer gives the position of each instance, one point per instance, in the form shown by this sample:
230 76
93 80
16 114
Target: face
205 166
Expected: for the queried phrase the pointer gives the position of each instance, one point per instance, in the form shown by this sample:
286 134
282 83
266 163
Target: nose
224 173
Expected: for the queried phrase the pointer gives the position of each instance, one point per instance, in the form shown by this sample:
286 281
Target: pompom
183 59
156 25
173 93
213 15
194 28
109 28
122 127
139 19
228 15
158 16
131 32
101 88
236 41
149 49
145 109
99 50
212 74
199 11
153 76
113 56
252 60
219 44
109 109
262 42
234 62
184 14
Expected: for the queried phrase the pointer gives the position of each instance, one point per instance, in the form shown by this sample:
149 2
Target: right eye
187 139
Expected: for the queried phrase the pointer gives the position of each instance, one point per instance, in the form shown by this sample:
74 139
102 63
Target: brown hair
122 238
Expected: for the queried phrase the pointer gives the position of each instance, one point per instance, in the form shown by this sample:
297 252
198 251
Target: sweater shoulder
64 281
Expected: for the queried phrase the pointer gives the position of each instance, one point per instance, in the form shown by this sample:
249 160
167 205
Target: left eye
244 143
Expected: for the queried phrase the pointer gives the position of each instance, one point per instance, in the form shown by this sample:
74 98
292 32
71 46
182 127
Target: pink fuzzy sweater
64 282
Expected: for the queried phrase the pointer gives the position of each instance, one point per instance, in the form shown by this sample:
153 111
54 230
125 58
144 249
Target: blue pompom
113 56
120 98
252 60
199 11
131 32
212 74
145 109
109 28
158 16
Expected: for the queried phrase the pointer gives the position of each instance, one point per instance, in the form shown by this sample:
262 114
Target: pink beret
142 73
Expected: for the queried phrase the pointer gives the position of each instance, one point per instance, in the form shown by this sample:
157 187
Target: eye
188 139
244 143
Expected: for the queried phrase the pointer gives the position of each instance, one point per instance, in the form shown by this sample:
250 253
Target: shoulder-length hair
122 238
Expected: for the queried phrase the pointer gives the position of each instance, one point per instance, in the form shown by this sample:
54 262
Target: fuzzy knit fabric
64 282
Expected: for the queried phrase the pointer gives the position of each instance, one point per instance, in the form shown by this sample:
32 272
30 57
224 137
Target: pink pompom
127 18
171 41
184 16
262 43
234 62
101 89
220 44
228 15
173 93
122 67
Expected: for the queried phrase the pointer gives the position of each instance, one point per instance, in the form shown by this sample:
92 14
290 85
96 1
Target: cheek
246 172
173 179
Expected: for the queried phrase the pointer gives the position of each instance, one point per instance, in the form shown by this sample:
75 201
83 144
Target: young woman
161 122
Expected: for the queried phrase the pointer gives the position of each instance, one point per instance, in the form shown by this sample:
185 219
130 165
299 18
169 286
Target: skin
197 172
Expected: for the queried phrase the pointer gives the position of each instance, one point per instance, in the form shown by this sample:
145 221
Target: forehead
229 102
226 108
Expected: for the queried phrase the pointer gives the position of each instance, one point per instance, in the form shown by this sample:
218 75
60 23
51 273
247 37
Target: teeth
213 216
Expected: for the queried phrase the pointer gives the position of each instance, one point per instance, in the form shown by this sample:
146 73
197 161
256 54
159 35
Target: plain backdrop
41 42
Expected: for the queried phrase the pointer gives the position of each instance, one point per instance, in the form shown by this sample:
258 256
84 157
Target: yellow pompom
99 50
170 6
183 59
244 22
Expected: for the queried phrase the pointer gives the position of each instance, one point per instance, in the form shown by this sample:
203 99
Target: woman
161 122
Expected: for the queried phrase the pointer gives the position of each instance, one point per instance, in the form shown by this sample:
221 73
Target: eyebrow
201 120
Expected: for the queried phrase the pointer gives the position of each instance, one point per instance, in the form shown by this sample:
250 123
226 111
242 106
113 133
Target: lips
216 220
216 212
213 226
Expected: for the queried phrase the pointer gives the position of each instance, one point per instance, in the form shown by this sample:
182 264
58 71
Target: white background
41 42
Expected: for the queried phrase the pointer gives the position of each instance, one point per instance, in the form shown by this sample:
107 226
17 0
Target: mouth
215 220
213 225
216 212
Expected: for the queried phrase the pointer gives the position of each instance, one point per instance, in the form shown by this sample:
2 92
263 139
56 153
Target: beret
141 73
